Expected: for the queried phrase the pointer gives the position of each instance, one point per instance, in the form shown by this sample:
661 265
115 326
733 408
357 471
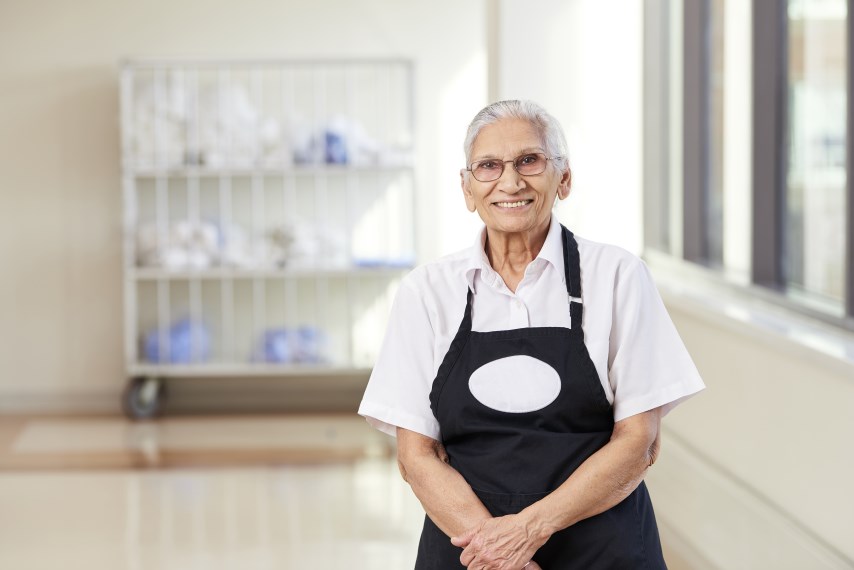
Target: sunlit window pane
814 216
728 208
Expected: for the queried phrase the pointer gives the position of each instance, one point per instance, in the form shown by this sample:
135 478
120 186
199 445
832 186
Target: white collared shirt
641 361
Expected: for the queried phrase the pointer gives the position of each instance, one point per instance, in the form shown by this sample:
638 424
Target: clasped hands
501 543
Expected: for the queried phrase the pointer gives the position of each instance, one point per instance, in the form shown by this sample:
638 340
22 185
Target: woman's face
513 203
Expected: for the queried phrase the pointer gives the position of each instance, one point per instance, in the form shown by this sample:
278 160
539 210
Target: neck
510 253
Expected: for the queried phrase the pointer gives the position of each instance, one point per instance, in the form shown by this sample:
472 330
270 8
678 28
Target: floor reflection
348 510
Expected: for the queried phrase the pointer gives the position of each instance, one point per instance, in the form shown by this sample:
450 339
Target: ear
466 187
565 184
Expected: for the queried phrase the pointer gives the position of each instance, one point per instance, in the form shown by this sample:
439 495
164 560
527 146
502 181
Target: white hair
549 129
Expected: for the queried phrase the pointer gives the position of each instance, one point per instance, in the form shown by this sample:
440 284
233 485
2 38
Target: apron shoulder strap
572 273
457 345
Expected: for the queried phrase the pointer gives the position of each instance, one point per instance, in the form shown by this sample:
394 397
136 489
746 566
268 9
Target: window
662 95
814 214
749 155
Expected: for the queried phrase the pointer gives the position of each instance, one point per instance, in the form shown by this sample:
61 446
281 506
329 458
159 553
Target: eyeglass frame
504 162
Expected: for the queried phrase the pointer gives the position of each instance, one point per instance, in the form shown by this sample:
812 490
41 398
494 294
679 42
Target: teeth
512 204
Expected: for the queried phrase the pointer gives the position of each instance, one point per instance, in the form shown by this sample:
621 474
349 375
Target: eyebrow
523 151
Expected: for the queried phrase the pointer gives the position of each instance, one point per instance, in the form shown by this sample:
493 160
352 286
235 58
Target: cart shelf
245 370
142 171
153 274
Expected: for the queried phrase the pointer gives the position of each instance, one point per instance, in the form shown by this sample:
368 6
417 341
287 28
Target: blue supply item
277 346
336 148
189 341
305 345
311 345
383 263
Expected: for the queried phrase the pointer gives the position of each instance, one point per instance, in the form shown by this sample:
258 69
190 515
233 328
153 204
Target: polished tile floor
314 492
208 493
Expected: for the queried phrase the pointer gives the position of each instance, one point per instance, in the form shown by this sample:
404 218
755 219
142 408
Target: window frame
770 142
769 152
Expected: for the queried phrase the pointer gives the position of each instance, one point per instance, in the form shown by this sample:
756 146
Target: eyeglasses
528 164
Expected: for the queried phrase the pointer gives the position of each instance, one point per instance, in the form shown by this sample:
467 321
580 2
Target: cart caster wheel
143 398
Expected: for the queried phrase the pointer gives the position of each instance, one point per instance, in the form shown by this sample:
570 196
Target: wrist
537 523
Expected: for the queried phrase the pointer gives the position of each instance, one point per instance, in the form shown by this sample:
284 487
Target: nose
510 180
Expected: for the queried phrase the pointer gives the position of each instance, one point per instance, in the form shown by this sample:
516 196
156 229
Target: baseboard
205 395
89 402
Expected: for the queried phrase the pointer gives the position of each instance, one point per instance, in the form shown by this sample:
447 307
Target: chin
512 227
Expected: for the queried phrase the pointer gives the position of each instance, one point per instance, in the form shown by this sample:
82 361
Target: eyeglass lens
491 168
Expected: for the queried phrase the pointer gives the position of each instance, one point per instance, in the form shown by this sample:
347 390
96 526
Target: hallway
202 492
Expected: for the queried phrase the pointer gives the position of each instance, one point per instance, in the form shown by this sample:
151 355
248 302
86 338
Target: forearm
604 480
446 497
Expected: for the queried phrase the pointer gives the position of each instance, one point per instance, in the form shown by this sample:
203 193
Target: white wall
60 207
589 56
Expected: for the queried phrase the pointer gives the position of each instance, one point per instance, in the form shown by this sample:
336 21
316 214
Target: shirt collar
477 259
551 252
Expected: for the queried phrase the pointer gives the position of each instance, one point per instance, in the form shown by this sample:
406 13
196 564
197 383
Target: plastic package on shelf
240 135
200 245
188 341
343 141
160 116
183 245
284 345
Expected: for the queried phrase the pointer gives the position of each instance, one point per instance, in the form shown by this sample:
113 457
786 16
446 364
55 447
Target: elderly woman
526 377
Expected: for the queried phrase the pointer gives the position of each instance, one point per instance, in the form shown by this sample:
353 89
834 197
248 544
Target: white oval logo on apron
515 384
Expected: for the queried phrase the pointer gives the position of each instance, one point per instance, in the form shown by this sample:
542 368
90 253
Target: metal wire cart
268 213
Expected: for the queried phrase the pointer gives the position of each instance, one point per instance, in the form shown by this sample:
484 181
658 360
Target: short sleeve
648 364
398 392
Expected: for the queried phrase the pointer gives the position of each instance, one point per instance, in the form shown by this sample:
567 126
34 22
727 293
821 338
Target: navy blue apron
513 459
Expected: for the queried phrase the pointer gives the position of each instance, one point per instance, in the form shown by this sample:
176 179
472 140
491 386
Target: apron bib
512 459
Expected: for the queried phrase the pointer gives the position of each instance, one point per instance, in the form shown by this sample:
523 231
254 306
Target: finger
468 556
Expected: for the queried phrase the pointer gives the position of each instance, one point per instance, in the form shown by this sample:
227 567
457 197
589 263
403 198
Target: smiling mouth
511 205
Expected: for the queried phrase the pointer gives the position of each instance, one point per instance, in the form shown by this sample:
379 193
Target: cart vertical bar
321 120
130 218
163 302
227 289
350 201
193 159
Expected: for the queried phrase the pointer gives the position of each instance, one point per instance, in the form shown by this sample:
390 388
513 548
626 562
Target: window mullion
770 141
695 129
849 162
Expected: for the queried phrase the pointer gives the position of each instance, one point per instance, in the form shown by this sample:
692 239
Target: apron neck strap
572 273
465 325
571 264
